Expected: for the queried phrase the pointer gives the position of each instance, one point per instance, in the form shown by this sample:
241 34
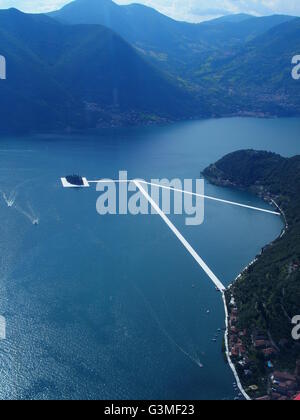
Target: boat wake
29 214
165 332
10 200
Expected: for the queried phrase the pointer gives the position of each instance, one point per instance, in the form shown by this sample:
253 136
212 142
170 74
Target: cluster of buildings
236 346
263 345
281 385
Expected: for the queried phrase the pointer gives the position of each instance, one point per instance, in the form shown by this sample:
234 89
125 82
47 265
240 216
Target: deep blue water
115 307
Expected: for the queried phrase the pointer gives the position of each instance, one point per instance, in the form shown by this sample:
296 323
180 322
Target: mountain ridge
178 48
80 76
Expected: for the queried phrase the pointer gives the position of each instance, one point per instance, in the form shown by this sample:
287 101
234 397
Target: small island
264 299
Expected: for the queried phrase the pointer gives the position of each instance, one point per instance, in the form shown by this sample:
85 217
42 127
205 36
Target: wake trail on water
28 214
10 198
165 332
33 213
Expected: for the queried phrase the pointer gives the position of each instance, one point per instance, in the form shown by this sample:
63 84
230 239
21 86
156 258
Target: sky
189 10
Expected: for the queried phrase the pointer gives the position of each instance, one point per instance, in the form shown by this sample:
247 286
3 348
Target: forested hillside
268 293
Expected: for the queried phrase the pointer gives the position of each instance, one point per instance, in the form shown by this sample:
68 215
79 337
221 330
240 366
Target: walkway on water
218 284
184 242
207 197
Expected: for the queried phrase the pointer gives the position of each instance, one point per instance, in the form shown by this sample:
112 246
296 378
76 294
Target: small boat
35 222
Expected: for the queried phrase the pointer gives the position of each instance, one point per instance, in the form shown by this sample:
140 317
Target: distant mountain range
94 63
178 47
81 76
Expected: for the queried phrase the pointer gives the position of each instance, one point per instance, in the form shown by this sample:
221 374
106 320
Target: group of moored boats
217 335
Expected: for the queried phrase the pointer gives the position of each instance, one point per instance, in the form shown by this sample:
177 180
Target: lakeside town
247 352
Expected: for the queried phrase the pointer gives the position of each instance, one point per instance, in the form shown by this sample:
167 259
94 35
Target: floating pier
66 184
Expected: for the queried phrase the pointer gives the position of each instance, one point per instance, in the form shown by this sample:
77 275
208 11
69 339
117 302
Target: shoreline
230 362
91 131
283 232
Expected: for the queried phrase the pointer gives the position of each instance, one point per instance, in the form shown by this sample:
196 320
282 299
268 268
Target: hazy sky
191 10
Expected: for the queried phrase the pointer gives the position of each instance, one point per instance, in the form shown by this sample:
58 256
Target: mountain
267 295
79 76
67 75
146 27
161 40
236 18
140 25
30 97
176 47
259 74
233 31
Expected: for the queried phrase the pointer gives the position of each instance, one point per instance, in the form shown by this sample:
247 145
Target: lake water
114 307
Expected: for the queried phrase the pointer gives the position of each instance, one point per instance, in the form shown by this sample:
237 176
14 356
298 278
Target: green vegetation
235 65
258 76
62 77
268 294
66 71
